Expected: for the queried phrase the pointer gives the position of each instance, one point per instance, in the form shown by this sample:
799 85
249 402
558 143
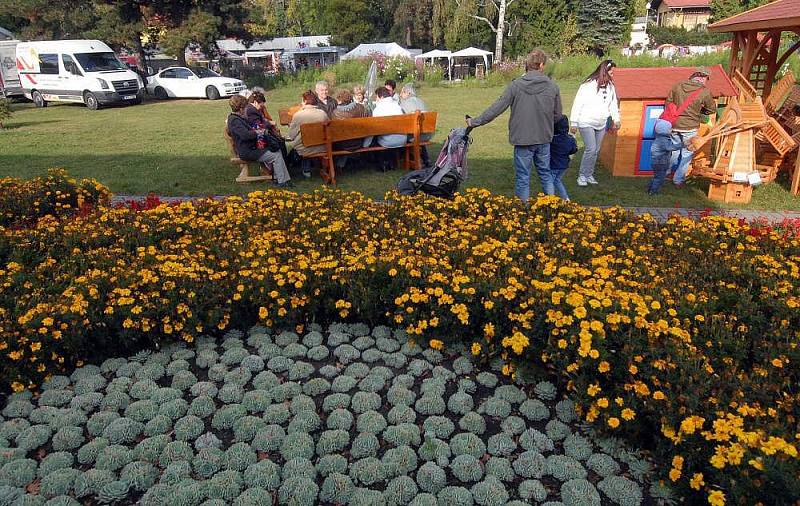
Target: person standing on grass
561 149
700 102
535 103
594 110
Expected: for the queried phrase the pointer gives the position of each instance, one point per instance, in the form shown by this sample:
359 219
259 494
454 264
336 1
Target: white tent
434 55
387 48
472 52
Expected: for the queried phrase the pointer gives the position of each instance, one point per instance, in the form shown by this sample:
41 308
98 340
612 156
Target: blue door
651 114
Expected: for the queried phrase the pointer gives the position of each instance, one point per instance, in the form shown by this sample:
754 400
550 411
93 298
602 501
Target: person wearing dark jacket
245 138
562 148
535 103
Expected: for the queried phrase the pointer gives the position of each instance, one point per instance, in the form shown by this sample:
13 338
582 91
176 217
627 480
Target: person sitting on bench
411 103
309 113
245 139
387 106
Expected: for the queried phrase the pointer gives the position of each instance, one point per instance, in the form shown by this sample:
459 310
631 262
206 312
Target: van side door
72 79
47 80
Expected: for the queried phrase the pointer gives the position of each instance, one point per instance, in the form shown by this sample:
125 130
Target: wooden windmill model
750 148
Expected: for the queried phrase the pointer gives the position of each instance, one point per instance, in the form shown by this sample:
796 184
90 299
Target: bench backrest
314 134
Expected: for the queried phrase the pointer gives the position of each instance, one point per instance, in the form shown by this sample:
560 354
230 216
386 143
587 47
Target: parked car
192 82
82 71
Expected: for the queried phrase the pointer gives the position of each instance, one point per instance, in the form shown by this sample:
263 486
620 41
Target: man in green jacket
688 122
535 103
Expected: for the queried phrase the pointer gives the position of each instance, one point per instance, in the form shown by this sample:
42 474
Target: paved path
659 213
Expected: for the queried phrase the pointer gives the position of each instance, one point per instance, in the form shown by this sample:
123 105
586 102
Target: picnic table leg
331 171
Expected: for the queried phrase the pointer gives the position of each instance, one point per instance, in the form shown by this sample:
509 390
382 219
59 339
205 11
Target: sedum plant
579 492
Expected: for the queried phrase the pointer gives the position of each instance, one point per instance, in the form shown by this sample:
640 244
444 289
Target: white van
85 71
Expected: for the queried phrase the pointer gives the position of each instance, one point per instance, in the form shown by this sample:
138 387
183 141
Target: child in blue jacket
562 148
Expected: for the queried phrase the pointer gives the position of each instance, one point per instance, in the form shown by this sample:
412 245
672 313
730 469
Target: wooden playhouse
641 93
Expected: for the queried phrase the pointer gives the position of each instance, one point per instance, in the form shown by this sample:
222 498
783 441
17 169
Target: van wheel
38 99
160 93
212 93
91 101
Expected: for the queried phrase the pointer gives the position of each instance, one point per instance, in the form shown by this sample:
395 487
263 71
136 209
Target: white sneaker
591 180
582 181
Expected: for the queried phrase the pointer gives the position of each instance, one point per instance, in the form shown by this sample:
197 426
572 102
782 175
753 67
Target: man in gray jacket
535 103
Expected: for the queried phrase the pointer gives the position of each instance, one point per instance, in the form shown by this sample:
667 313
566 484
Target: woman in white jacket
595 104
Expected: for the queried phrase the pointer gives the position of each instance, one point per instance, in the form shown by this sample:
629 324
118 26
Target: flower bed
346 415
682 336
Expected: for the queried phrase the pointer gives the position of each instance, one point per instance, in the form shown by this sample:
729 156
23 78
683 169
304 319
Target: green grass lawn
177 148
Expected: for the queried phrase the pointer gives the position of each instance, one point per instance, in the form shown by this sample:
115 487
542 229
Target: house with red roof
687 14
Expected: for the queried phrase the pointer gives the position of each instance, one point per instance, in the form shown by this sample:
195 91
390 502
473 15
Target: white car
192 82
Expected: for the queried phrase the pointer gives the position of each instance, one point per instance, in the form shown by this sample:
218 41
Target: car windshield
97 62
204 72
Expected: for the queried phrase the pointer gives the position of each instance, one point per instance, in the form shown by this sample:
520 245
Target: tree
346 21
496 10
185 22
121 23
413 23
721 9
604 23
41 20
537 23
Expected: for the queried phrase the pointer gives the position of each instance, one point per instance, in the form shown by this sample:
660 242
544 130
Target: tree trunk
137 42
181 57
500 32
408 36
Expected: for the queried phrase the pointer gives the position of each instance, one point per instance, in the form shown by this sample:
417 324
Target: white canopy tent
434 55
385 48
472 52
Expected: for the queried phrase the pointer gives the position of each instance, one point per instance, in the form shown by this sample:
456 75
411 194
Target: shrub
489 492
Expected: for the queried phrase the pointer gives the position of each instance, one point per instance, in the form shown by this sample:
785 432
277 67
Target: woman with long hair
594 111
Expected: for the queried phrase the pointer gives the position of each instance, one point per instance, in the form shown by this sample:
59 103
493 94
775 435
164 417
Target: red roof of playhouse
683 4
780 13
655 82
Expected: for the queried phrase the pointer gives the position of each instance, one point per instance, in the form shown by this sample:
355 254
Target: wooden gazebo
757 53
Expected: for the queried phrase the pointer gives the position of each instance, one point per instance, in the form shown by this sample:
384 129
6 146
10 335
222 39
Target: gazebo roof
436 53
778 14
471 51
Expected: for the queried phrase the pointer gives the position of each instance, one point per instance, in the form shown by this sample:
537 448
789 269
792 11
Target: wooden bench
330 132
244 166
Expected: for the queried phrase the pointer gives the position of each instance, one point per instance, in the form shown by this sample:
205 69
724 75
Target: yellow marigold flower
628 414
579 312
674 474
716 498
697 481
488 304
776 362
659 395
476 349
488 330
562 343
613 422
36 346
655 305
593 390
436 344
757 463
17 386
602 402
677 462
262 312
700 318
633 369
594 353
393 272
603 366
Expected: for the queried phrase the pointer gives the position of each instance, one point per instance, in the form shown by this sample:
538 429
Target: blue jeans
561 190
524 157
661 159
681 156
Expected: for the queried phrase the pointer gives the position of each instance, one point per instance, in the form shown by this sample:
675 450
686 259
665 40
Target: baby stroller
443 179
